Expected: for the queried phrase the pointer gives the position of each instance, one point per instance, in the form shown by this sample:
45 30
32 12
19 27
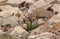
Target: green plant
31 27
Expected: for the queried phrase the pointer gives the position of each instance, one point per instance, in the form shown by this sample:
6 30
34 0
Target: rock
1 32
29 19
1 20
30 1
18 32
45 4
9 10
54 19
42 13
24 26
58 0
41 29
15 2
10 21
1 1
5 36
56 8
33 37
48 36
41 21
55 27
19 1
45 35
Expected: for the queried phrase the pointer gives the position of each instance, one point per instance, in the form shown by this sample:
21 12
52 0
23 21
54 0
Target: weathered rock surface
45 35
8 10
29 19
41 29
19 32
55 18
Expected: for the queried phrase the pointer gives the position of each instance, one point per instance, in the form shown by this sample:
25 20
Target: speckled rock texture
29 19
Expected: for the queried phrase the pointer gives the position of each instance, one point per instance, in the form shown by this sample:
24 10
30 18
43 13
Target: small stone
18 30
41 21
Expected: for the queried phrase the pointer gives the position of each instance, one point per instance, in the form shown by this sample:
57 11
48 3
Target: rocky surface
29 19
